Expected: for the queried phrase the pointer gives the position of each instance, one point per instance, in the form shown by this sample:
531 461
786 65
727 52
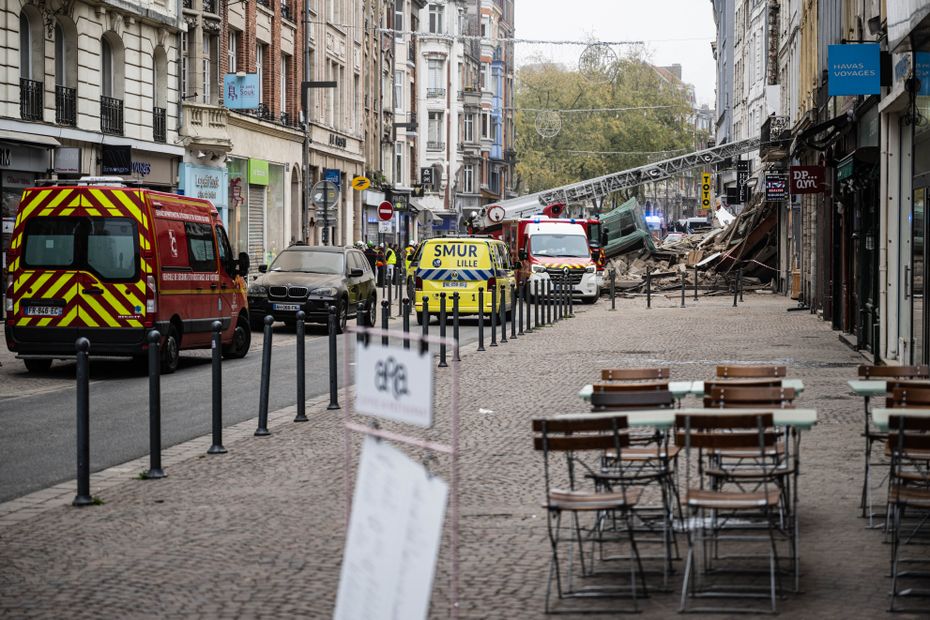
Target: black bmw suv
312 278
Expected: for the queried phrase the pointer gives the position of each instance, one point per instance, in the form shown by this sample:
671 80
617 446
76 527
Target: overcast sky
675 31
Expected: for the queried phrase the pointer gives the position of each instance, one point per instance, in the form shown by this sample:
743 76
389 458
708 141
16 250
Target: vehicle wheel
342 315
241 341
170 351
372 311
38 365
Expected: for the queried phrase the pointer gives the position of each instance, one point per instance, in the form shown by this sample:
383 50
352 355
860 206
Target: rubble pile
748 242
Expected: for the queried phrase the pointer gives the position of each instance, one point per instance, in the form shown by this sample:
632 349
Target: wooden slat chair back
903 397
742 382
631 387
635 374
627 401
753 397
579 433
901 372
751 371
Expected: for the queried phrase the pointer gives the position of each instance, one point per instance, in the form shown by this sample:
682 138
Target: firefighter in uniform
390 258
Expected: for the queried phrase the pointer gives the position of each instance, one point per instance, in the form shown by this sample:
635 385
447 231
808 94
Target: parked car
313 278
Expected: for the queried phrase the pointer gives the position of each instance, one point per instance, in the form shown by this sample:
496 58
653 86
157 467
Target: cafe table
679 390
867 389
880 415
697 387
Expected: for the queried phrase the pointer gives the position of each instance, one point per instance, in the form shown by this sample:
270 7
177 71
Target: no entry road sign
385 210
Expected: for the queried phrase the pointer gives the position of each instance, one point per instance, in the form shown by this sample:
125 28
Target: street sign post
385 211
325 196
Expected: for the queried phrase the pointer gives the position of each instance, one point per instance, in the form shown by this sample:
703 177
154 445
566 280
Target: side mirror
243 264
262 268
356 273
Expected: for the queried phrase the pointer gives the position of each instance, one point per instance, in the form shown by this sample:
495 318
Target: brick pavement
258 532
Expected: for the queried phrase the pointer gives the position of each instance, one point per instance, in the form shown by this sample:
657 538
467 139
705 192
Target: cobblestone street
259 532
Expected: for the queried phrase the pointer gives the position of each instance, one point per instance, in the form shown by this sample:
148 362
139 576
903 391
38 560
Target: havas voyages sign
854 69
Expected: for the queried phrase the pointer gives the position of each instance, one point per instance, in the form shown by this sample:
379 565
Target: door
205 300
355 284
229 300
920 318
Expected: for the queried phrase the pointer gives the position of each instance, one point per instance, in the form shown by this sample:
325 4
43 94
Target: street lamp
305 101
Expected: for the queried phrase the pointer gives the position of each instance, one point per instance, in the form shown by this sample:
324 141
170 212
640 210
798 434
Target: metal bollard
613 289
548 296
563 302
425 316
571 305
442 330
301 368
682 289
695 284
390 292
494 316
361 316
481 319
217 446
536 302
520 307
262 430
455 325
400 298
649 287
529 309
83 498
503 311
735 293
739 273
385 318
406 322
513 311
333 377
155 471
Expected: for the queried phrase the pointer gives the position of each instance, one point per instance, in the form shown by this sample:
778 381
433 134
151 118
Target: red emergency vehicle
110 263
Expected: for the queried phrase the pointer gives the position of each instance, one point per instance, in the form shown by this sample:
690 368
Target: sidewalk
259 532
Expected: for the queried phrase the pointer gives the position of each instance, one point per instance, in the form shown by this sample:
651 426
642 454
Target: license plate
455 285
286 307
43 310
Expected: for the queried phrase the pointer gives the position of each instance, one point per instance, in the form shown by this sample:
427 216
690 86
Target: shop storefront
208 183
20 166
255 190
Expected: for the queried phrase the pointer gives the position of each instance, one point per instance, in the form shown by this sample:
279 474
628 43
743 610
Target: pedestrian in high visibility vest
390 258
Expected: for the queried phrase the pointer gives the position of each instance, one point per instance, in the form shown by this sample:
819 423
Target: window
468 179
61 56
398 89
187 72
260 70
436 15
106 68
435 132
398 162
225 253
232 52
469 133
482 76
486 76
398 14
25 46
434 73
284 81
486 27
485 125
200 247
210 68
50 242
111 248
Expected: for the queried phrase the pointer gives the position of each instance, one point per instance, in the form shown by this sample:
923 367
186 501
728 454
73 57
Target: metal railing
31 99
160 124
433 93
433 145
111 116
264 3
209 6
65 105
188 4
286 10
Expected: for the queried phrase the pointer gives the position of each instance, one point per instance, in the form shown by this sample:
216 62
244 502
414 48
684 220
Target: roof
316 248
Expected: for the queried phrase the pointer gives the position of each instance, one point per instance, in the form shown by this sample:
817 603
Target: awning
433 204
28 138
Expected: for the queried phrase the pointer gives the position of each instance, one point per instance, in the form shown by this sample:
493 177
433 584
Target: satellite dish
496 213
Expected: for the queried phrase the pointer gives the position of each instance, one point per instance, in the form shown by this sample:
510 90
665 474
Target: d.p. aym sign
806 179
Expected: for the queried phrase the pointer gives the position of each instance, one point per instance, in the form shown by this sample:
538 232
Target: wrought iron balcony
65 105
265 3
188 4
286 10
432 145
31 99
111 116
160 124
434 93
209 6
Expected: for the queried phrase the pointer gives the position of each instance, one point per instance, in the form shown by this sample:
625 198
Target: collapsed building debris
747 243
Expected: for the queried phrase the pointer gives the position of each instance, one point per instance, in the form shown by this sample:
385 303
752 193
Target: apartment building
88 89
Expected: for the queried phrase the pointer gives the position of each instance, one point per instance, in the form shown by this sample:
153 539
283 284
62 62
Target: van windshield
309 261
574 246
105 246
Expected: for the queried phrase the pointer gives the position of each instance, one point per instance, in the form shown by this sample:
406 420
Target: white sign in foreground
394 383
393 539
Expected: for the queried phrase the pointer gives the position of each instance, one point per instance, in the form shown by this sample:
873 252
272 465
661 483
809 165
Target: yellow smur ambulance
462 265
